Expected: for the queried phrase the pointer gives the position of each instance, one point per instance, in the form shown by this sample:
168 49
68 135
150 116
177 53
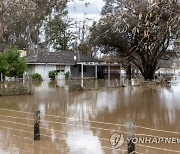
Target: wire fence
30 124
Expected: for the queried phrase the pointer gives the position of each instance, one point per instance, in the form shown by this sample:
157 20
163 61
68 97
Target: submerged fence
28 121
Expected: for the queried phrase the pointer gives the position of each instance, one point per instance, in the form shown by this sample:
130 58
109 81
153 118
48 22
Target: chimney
23 53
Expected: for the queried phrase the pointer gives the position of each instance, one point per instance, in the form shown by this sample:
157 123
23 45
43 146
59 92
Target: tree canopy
58 33
139 31
11 64
22 22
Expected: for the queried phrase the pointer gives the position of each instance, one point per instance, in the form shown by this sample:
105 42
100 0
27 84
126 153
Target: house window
75 65
60 68
84 68
60 71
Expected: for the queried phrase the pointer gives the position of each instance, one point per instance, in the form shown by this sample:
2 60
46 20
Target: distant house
62 62
171 66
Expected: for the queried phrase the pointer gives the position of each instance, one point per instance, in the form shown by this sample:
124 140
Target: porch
100 70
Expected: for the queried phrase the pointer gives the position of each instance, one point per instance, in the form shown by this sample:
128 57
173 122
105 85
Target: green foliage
17 65
11 64
3 63
57 33
37 76
67 75
52 75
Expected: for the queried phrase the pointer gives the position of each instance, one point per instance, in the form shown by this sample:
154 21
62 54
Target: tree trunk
149 72
129 73
1 27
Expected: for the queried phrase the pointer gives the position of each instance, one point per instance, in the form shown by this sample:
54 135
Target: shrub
67 75
37 76
52 75
11 64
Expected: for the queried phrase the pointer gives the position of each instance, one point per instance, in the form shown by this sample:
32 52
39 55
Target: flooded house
63 62
79 66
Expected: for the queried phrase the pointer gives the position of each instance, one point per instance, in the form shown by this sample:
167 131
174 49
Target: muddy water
82 122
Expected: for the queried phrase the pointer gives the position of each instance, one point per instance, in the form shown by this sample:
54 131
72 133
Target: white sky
78 10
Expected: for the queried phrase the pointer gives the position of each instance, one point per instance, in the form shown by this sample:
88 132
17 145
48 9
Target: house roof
65 57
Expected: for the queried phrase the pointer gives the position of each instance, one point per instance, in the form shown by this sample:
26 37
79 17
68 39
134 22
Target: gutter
51 63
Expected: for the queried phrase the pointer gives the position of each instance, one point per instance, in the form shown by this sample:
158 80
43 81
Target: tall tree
82 43
58 33
139 31
21 22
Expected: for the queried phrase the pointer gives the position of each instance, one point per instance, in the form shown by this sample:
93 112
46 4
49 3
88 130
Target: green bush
67 75
11 64
36 76
52 75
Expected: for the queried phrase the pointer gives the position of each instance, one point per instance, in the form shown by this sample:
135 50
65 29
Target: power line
16 111
146 135
100 122
99 128
16 123
101 146
15 117
17 129
84 127
71 133
158 130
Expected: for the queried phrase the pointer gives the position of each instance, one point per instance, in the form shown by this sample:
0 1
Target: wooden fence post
130 136
36 125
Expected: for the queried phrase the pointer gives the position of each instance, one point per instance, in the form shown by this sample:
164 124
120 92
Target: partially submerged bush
67 75
36 76
52 75
75 87
15 90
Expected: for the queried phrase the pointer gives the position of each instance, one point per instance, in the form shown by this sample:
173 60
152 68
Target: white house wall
31 69
61 74
67 68
44 70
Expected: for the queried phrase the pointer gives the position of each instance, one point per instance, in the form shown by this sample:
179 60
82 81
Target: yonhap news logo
154 140
117 140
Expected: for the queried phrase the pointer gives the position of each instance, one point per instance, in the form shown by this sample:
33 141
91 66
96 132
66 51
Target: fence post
130 136
36 125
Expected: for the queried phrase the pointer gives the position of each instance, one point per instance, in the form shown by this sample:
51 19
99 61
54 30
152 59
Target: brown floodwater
83 122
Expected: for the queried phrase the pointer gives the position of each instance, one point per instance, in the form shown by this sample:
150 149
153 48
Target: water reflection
85 141
148 106
81 138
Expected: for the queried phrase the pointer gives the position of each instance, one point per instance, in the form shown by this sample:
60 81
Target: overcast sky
77 9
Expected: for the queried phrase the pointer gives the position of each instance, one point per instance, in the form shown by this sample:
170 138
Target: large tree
82 43
58 34
139 31
22 21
